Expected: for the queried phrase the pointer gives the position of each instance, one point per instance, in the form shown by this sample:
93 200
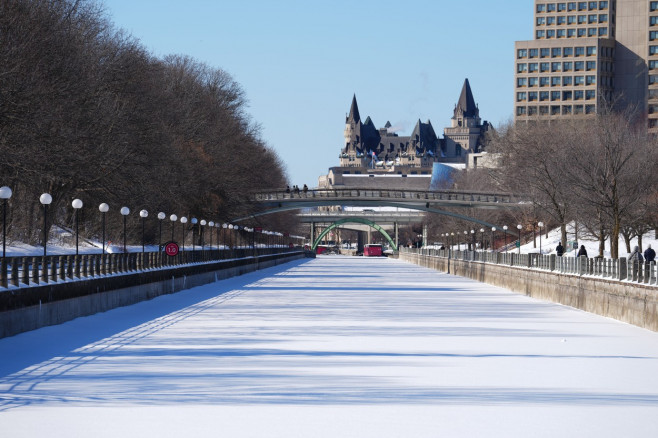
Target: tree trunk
601 242
614 239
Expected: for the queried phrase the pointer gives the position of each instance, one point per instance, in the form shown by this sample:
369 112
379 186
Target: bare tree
535 163
611 162
87 112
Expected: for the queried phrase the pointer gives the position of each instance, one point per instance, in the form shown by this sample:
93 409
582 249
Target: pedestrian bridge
384 218
435 201
414 199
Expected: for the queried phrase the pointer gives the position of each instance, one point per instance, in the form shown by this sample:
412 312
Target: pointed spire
354 112
466 102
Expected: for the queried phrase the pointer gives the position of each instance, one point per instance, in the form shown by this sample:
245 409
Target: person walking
636 256
582 251
649 255
559 250
636 260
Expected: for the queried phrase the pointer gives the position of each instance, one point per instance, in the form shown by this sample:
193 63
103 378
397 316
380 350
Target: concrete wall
124 290
633 303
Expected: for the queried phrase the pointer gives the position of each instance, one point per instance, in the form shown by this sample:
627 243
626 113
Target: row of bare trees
86 112
596 171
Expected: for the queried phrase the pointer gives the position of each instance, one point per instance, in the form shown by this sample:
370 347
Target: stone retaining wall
123 290
625 301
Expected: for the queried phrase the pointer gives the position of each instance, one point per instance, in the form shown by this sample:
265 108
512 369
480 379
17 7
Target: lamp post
519 226
143 214
540 224
161 216
230 236
505 234
173 218
77 205
5 193
452 238
465 240
473 238
45 199
125 211
253 241
481 239
224 226
103 208
493 237
211 224
203 224
193 221
183 221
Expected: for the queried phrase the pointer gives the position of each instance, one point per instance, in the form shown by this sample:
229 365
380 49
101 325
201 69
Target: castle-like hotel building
587 52
379 157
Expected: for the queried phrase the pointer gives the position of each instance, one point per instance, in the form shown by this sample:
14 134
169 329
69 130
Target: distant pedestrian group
559 250
296 190
635 256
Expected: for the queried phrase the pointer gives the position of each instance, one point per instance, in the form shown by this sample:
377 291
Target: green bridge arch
355 220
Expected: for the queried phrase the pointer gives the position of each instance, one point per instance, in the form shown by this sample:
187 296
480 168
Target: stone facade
380 158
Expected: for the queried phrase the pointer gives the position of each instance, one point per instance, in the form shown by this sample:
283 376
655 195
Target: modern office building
584 53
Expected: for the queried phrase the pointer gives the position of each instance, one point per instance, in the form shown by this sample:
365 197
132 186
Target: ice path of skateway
333 347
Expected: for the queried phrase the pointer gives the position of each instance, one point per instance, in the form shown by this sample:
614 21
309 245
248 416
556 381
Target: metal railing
615 269
22 272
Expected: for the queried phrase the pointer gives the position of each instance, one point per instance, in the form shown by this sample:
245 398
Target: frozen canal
333 347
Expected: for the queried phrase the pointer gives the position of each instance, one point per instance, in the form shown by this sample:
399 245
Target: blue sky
300 62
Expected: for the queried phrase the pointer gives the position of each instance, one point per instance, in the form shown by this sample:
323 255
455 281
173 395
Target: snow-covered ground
549 243
333 347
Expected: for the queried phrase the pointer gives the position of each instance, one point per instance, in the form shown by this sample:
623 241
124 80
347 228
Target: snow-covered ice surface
333 347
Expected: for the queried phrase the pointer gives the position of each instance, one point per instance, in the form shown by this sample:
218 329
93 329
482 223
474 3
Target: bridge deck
356 196
380 217
332 347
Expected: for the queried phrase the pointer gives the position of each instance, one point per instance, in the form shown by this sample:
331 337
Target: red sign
171 249
258 229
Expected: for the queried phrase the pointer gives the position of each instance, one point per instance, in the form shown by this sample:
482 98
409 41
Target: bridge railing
22 272
417 195
348 213
614 269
